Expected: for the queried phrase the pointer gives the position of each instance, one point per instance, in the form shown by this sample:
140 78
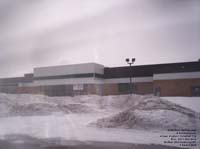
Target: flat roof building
171 79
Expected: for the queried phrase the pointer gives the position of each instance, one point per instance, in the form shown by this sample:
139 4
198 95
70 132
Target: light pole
130 62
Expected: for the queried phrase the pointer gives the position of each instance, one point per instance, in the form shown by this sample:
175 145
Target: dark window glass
196 91
157 91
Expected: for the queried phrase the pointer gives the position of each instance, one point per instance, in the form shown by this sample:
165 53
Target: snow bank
29 105
148 119
70 117
128 111
151 112
189 102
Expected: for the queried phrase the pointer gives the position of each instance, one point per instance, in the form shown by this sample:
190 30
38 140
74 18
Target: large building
172 79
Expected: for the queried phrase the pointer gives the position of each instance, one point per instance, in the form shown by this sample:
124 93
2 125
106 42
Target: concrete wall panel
180 75
68 70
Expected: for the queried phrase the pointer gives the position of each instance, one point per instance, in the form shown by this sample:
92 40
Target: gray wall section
56 90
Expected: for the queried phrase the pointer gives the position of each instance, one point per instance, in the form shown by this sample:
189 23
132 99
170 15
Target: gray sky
35 33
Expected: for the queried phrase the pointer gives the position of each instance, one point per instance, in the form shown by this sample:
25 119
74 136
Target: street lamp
130 62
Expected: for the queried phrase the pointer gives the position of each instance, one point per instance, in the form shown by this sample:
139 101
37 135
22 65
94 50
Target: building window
196 91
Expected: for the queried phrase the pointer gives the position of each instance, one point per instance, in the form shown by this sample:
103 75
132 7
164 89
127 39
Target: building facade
172 79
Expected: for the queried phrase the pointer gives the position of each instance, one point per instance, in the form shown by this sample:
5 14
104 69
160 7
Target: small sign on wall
78 87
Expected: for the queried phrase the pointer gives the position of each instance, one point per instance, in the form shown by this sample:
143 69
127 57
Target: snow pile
190 102
125 111
118 102
34 109
29 105
24 105
151 112
158 103
75 108
146 119
70 118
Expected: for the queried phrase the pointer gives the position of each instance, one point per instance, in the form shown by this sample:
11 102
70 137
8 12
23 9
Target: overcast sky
35 33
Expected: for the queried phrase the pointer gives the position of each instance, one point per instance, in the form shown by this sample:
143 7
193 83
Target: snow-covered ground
72 127
79 117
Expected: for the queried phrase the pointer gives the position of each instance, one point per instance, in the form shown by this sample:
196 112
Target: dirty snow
152 113
92 117
189 102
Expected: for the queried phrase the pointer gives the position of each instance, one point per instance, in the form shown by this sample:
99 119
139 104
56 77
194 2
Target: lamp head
127 60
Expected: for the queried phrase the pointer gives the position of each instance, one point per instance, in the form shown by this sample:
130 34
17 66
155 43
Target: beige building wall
144 88
29 90
139 88
110 89
178 87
